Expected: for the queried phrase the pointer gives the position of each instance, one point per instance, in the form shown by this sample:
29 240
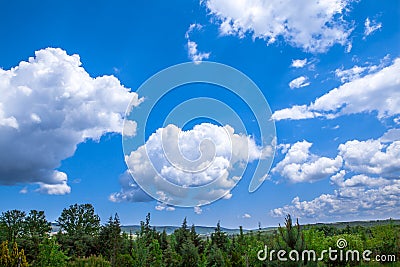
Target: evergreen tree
219 238
110 239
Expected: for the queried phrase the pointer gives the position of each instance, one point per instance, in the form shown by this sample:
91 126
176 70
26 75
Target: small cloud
162 206
197 210
299 63
170 208
193 53
370 27
299 82
24 190
246 216
228 196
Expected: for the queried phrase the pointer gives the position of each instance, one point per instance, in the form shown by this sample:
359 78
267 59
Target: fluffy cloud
197 210
371 26
379 199
299 82
193 52
294 113
376 91
316 28
48 106
206 155
299 165
299 63
369 184
246 216
372 157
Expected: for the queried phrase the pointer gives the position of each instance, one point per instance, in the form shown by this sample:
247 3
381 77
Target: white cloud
391 135
129 128
299 165
350 74
246 216
294 113
373 92
194 158
197 210
371 26
372 157
161 206
24 190
193 52
316 28
372 188
379 199
299 63
48 106
299 82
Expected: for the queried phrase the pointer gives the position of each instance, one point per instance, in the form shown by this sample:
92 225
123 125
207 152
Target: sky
69 70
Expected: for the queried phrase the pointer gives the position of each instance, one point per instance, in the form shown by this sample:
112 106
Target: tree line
25 240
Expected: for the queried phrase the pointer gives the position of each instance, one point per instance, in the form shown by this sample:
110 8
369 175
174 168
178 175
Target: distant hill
207 230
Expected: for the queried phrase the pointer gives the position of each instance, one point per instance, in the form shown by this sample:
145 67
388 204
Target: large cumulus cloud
206 154
48 105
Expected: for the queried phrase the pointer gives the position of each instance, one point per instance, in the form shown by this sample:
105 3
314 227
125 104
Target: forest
26 239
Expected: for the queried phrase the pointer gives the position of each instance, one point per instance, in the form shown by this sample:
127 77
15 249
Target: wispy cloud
299 82
376 91
193 53
371 26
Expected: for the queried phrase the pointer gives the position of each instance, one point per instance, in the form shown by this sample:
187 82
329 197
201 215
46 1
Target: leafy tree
50 255
79 225
35 229
12 221
92 261
124 260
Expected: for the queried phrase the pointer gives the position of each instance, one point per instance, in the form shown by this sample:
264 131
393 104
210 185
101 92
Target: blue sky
329 73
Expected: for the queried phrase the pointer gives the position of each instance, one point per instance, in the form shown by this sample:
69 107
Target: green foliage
79 227
12 222
50 255
110 239
92 261
81 241
15 258
124 260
